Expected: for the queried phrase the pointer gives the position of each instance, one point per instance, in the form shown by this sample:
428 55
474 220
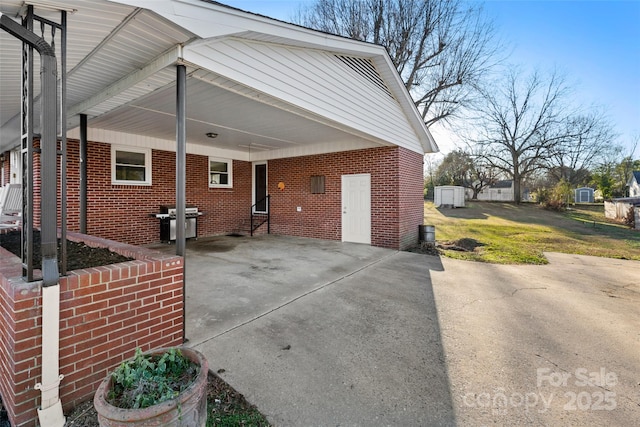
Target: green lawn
519 234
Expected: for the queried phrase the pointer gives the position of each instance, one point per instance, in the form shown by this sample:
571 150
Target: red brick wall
396 194
411 187
105 314
123 212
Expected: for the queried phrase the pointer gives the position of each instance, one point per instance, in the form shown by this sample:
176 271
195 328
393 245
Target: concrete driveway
320 333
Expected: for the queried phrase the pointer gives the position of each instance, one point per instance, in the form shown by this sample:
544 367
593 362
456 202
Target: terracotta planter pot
189 409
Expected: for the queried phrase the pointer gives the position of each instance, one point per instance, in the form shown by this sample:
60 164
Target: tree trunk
516 189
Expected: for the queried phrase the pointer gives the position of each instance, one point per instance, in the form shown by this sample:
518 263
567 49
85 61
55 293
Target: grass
228 408
520 234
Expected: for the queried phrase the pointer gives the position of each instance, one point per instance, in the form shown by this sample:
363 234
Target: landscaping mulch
4 419
79 255
425 248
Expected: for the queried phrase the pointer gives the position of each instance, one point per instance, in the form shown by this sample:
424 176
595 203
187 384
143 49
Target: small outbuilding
500 191
449 195
584 195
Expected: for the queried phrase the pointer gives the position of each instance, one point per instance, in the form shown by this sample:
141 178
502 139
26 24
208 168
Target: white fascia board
210 20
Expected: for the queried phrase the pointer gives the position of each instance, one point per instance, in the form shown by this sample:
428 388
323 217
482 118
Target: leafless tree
441 48
589 138
467 170
520 121
481 174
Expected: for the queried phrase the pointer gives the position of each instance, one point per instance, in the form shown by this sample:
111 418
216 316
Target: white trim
229 163
147 165
142 141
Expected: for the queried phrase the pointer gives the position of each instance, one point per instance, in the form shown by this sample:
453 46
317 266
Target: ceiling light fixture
211 135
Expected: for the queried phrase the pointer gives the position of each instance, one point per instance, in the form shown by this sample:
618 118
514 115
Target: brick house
270 108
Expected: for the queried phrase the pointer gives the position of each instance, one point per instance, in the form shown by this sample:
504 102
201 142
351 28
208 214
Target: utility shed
449 195
584 195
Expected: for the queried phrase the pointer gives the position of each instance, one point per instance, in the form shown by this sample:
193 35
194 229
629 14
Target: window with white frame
130 166
220 173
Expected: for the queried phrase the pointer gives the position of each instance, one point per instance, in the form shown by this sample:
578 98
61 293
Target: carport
197 78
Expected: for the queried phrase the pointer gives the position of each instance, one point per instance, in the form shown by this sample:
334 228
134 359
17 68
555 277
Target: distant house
634 184
500 191
584 195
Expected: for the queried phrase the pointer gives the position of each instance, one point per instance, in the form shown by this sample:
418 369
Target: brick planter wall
105 314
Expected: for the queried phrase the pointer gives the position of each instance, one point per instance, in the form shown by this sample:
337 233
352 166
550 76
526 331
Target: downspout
50 411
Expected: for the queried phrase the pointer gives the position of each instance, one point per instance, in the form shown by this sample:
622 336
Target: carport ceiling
241 122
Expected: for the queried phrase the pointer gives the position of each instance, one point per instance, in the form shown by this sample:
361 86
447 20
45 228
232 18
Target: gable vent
366 69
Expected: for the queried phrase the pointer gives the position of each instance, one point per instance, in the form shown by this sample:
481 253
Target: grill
167 217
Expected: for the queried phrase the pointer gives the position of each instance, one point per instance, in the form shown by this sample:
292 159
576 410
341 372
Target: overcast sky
596 44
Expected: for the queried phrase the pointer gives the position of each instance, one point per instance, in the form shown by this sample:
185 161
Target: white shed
584 195
449 195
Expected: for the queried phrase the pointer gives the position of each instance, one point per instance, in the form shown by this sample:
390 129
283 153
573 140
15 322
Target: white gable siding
634 189
316 81
496 194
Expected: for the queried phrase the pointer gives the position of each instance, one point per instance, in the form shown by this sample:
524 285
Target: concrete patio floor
322 333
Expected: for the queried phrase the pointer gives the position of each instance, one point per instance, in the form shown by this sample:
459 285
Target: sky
596 44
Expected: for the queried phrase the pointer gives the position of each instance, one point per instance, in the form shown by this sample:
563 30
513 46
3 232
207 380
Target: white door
447 196
356 208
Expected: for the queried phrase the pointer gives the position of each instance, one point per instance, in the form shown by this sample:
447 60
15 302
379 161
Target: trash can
427 233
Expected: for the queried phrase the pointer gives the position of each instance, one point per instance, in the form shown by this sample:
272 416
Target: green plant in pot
164 387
